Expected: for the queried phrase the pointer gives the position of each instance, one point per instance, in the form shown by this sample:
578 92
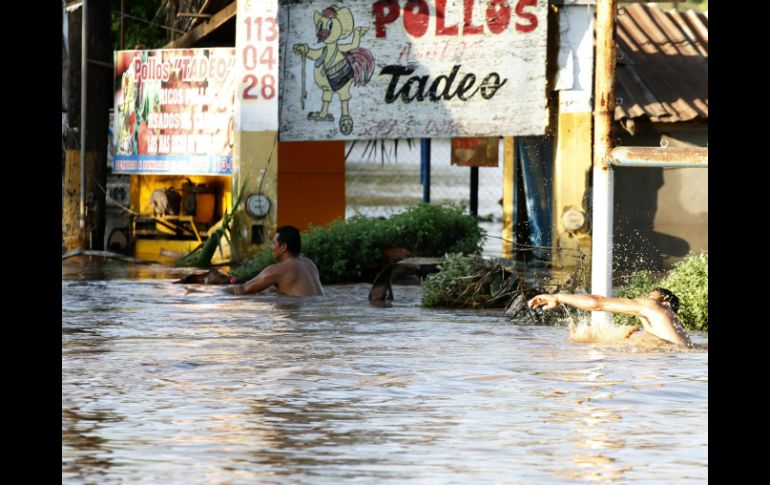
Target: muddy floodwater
174 384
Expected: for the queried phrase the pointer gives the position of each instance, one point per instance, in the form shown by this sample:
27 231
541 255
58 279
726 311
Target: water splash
626 337
585 331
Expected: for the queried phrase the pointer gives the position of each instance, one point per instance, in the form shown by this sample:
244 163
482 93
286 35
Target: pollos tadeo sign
173 111
412 68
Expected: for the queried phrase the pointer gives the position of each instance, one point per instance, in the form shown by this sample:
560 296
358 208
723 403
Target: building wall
311 183
660 214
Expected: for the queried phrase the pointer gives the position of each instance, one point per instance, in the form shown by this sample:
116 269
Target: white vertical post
601 253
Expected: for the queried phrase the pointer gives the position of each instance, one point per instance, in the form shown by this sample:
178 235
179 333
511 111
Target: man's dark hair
670 297
289 235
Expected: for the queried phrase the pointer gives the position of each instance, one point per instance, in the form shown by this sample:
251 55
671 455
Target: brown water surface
174 384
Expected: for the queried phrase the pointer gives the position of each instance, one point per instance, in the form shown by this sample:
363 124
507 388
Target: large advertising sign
174 111
364 69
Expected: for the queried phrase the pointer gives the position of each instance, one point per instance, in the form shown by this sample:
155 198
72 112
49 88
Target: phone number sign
256 45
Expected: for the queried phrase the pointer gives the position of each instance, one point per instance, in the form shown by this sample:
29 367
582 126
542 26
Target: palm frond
384 149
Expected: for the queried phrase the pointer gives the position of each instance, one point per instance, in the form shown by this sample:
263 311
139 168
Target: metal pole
603 176
83 114
659 157
474 202
425 169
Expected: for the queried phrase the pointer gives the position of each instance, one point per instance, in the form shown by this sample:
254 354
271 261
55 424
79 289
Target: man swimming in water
656 311
292 275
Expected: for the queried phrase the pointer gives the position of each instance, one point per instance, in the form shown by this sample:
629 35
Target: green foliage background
144 32
443 289
688 279
347 251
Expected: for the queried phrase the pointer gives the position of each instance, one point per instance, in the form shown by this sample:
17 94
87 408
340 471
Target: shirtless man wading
656 311
292 275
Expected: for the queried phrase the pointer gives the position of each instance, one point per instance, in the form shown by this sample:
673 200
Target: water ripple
160 384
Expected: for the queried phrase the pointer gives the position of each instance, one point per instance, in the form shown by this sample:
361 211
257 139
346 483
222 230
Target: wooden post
90 85
72 235
99 98
509 185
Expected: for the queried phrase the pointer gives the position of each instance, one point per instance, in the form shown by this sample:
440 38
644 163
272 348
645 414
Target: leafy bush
688 279
349 251
447 286
254 266
343 251
434 230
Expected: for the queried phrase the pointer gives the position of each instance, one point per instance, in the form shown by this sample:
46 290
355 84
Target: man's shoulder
275 268
653 309
650 303
306 260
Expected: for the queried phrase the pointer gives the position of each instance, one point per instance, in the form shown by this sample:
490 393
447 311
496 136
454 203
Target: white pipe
601 252
646 164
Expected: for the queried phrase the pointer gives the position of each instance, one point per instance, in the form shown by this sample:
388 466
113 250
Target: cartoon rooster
337 66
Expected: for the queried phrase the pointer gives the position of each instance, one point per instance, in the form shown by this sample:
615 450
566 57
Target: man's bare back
297 277
292 275
660 321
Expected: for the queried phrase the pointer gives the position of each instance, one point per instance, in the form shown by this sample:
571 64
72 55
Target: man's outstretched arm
267 278
593 303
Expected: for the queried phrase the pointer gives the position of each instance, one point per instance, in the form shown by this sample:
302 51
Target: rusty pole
604 79
658 157
603 177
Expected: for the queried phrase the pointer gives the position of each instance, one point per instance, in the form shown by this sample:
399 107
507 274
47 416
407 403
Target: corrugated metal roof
662 68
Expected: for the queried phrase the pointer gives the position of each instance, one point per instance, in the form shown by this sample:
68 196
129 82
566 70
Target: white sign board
366 69
256 46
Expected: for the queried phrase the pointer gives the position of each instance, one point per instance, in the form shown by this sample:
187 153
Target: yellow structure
150 244
509 186
256 166
306 187
571 189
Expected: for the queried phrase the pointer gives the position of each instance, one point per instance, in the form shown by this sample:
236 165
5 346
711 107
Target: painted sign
475 152
174 111
256 44
367 69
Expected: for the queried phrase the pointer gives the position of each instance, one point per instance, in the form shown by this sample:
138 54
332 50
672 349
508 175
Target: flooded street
181 384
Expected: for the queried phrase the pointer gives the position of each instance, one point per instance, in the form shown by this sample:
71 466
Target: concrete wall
660 214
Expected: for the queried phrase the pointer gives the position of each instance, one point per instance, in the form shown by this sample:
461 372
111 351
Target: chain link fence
382 178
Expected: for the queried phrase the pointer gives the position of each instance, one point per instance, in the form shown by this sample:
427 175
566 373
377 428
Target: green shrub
349 251
445 288
253 266
434 230
343 251
688 279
